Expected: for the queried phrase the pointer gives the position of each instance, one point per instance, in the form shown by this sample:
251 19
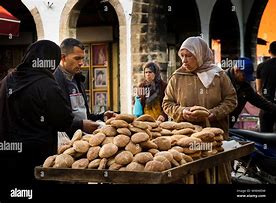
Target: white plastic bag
63 139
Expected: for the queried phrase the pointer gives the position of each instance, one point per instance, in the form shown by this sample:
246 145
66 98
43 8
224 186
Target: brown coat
186 90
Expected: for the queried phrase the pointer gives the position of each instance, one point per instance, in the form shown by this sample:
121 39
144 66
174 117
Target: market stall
134 150
133 177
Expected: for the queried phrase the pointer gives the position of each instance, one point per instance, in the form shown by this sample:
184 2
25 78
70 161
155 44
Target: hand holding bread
195 113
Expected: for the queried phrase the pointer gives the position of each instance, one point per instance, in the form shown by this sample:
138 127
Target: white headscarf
206 70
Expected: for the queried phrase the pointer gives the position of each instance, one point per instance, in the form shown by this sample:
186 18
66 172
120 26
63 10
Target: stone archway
38 23
68 24
37 18
224 26
252 27
70 14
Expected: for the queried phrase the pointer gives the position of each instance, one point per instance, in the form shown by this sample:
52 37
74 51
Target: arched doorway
12 48
96 24
180 25
252 26
224 32
266 32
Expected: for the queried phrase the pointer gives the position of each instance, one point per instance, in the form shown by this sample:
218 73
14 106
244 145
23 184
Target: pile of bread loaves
128 143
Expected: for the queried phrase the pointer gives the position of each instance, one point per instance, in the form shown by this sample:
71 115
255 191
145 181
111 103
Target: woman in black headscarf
32 110
152 92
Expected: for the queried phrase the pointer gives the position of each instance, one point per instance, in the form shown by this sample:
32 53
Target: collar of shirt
67 75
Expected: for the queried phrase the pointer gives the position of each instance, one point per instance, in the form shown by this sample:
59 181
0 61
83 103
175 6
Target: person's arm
95 117
259 86
229 99
259 80
258 101
169 105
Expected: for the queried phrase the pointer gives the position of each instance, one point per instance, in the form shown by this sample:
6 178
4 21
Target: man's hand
109 114
89 126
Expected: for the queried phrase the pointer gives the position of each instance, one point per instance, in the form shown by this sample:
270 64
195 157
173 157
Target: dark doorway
224 28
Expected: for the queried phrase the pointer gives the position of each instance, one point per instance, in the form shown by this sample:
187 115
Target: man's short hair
272 48
67 45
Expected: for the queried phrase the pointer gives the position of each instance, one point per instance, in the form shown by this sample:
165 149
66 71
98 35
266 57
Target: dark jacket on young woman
32 109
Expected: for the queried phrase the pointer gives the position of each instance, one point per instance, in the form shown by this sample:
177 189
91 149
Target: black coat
32 110
245 93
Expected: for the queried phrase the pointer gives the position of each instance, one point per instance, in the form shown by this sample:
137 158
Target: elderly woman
198 82
153 92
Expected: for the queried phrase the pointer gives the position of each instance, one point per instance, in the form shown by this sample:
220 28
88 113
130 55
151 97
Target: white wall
50 16
205 8
126 70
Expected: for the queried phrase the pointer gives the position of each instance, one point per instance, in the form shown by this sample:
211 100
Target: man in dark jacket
32 110
266 86
69 77
241 74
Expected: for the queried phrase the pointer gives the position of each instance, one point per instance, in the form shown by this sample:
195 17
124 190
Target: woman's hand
187 114
161 118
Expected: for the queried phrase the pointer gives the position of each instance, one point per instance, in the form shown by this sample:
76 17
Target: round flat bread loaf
126 117
216 131
124 158
119 124
80 164
194 108
205 136
185 142
139 137
162 143
140 124
50 161
81 146
121 140
169 125
134 166
108 150
94 164
146 117
143 157
109 131
182 125
155 166
200 113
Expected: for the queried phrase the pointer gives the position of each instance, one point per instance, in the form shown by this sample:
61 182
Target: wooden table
131 177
